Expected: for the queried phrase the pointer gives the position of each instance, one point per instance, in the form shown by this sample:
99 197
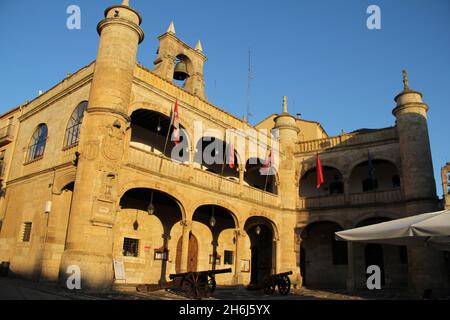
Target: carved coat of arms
113 144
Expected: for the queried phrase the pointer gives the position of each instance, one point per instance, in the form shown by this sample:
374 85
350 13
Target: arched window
74 125
37 144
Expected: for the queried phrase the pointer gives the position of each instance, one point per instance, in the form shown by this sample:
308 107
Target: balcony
6 135
191 176
366 198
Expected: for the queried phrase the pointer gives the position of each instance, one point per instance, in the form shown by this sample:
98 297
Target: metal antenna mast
249 87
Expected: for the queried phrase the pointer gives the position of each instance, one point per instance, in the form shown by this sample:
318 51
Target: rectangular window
26 235
228 257
130 247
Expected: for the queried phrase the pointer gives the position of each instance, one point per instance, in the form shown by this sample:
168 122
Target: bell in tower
180 73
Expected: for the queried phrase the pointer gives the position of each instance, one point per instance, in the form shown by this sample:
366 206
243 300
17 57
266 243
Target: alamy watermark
374 20
73 281
374 277
73 22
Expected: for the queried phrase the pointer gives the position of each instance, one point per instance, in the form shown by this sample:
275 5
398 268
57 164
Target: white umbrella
429 228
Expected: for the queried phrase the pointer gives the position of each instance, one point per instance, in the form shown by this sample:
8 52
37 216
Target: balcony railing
187 174
388 196
6 135
347 139
321 202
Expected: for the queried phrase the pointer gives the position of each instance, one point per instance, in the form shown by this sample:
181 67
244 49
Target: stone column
239 235
187 227
350 268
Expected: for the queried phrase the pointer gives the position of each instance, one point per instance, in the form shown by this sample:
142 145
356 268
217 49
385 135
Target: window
339 252
74 125
2 163
130 247
37 144
26 234
369 185
228 257
396 182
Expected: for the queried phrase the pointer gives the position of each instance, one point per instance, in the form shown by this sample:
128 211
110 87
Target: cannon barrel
283 274
209 273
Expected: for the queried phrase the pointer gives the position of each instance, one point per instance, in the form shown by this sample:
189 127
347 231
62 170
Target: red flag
176 124
320 178
265 168
231 159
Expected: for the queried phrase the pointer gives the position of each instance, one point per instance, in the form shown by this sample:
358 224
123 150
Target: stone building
445 172
87 178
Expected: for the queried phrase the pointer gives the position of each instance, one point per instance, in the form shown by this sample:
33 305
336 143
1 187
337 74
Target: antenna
249 85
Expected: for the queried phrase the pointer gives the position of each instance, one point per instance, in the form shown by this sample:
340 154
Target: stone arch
271 184
141 184
264 240
380 179
211 201
386 216
264 218
310 163
164 110
63 180
333 185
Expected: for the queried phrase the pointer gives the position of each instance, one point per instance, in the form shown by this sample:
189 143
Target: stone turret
412 129
101 147
427 269
288 132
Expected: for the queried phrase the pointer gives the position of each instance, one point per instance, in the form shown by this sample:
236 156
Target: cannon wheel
195 285
269 286
284 286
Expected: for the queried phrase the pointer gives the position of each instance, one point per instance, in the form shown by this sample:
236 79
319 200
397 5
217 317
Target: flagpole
167 138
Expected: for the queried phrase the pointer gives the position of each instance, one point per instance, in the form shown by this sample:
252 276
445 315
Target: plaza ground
20 289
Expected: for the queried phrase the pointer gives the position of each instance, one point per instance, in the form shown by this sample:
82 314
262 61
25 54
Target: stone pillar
187 227
239 235
350 267
95 199
241 174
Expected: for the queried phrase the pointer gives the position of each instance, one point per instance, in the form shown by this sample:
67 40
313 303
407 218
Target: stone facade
89 179
445 172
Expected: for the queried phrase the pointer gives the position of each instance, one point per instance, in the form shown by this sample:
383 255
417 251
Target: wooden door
192 254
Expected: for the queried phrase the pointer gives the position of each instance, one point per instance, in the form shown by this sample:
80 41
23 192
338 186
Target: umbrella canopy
431 229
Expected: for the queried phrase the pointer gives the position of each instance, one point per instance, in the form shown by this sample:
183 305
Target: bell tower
178 61
101 147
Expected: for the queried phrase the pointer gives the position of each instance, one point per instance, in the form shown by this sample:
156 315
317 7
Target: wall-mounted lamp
48 207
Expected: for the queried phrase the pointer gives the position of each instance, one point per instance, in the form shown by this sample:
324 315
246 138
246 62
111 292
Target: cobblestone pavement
18 289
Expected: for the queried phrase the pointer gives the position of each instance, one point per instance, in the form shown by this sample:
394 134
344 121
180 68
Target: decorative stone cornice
108 21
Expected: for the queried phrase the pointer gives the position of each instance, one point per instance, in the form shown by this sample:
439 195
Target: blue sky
319 53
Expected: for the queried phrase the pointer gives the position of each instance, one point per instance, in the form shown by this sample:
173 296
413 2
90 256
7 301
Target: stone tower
426 271
89 239
288 131
171 51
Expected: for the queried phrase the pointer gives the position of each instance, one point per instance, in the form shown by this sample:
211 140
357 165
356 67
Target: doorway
192 254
